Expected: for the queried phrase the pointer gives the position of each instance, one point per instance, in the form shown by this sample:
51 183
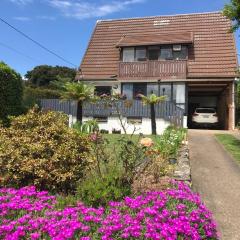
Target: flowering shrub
169 142
174 214
40 149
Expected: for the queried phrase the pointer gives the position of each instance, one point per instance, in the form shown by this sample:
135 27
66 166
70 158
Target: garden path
216 177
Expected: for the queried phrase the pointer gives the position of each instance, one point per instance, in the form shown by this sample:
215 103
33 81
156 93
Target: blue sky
65 26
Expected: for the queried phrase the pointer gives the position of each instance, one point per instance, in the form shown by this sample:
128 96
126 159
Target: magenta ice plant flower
176 213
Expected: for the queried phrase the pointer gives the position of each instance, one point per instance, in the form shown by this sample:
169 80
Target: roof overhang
157 39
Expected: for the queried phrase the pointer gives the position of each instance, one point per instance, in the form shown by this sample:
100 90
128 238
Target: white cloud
23 19
44 17
21 2
85 9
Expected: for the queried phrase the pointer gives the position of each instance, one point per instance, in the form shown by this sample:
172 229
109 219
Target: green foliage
89 126
31 95
152 99
169 142
112 174
11 91
39 149
78 91
96 191
232 11
43 75
130 154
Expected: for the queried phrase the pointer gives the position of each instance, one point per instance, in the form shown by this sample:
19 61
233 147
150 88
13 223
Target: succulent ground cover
173 214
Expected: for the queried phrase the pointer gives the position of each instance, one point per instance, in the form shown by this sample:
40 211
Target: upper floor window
180 52
153 52
128 54
165 52
141 54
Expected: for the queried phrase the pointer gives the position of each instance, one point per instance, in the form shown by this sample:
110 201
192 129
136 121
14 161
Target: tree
11 92
43 75
152 100
79 92
232 11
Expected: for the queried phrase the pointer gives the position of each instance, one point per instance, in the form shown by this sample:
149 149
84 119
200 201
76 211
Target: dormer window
154 53
128 54
141 54
182 54
166 53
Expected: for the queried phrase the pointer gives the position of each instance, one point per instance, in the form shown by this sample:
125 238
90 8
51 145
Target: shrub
31 95
39 148
98 191
131 154
176 213
11 91
170 141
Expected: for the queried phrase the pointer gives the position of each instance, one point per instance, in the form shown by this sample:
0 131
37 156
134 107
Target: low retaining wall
182 170
143 127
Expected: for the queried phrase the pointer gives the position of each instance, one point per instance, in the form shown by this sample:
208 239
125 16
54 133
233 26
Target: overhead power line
37 43
18 52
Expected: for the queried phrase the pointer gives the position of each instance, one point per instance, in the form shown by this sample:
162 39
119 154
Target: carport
218 95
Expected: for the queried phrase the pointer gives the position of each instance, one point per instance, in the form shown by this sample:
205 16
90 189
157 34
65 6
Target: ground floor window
139 88
175 92
100 90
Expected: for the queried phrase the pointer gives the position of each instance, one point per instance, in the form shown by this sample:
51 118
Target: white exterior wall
144 127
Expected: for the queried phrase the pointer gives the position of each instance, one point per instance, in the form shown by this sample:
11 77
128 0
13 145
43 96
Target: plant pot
116 132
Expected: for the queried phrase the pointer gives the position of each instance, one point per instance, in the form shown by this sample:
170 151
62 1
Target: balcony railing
150 69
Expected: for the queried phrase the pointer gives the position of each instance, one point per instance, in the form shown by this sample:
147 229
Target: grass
231 144
114 139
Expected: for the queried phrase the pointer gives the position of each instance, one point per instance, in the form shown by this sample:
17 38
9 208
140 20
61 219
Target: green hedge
31 95
11 92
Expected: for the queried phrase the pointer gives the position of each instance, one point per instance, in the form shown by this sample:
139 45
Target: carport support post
231 107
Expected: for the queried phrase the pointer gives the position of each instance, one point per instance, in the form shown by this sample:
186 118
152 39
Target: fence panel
127 108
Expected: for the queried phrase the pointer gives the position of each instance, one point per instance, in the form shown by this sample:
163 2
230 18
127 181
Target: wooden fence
127 108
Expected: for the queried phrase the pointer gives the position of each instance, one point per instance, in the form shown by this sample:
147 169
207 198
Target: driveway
216 176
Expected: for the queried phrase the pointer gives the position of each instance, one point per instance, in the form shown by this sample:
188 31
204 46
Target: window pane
179 93
128 55
166 53
100 90
127 90
181 54
153 53
152 89
166 90
139 88
141 54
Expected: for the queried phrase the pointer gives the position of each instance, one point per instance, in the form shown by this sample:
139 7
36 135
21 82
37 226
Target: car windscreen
205 110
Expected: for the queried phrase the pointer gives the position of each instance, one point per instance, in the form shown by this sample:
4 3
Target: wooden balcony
169 69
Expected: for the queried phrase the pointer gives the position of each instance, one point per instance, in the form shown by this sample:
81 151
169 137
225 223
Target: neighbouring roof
213 54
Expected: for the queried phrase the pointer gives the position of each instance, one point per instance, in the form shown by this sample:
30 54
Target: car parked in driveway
205 117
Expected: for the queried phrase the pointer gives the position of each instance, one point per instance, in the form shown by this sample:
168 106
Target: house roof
155 39
213 52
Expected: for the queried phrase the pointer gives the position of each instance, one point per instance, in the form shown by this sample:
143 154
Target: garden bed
99 186
176 213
